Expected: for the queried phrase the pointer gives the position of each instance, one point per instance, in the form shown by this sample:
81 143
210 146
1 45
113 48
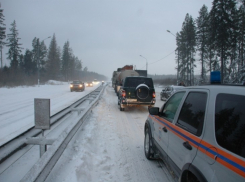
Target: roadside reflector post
42 121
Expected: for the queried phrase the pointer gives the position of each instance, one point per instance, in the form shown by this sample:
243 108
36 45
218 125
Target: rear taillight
123 93
153 94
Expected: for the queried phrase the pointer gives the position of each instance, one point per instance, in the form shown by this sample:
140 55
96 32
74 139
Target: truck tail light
123 93
153 94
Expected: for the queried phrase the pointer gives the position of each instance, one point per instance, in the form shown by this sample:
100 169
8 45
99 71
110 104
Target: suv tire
148 144
190 177
121 109
142 91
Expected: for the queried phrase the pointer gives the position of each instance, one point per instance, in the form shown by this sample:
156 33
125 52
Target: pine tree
66 60
72 67
39 53
222 26
35 45
78 64
241 42
202 39
53 60
2 33
233 55
181 56
14 46
42 54
186 42
28 64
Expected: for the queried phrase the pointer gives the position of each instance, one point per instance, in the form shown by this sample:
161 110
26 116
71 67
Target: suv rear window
230 122
135 81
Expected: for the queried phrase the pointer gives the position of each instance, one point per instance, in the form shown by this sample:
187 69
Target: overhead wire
163 57
160 59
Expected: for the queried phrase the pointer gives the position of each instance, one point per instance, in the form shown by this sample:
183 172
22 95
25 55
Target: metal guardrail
19 142
41 170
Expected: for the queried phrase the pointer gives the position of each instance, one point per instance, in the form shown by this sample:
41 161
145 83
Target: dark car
77 85
136 91
89 84
168 91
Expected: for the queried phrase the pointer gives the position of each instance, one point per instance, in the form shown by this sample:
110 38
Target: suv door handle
187 145
165 129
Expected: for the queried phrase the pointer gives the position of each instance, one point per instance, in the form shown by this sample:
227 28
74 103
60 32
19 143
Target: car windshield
76 82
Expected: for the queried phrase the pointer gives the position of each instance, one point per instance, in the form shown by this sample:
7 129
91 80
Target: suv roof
220 88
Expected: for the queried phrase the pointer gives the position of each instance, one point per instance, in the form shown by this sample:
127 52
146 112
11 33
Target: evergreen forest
215 40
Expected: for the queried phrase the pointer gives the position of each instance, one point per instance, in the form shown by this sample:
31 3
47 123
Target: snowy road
109 147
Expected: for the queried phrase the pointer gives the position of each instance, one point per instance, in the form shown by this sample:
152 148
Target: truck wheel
148 145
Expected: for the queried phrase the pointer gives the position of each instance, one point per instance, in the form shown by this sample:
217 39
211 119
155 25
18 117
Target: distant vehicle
200 134
168 91
89 84
136 91
77 85
95 81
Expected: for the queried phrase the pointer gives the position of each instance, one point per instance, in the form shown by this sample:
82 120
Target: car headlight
71 85
80 85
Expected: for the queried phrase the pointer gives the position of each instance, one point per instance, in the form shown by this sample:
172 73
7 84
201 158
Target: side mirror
154 111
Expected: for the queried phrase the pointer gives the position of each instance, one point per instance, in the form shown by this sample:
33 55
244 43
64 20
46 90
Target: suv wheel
148 144
121 109
142 91
190 177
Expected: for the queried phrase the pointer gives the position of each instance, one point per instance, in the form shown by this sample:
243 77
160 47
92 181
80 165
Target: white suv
200 133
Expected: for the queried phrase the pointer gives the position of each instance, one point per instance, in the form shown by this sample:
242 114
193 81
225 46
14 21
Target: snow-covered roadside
109 147
17 105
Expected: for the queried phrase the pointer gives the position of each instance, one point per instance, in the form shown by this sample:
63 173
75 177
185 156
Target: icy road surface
109 147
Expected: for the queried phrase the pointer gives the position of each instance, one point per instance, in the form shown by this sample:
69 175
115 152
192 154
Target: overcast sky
106 34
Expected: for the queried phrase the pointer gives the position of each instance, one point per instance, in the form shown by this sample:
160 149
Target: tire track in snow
109 147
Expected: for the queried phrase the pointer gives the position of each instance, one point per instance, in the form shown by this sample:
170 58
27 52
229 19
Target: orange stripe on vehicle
222 156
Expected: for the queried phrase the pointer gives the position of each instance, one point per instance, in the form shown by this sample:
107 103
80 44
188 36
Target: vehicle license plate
132 100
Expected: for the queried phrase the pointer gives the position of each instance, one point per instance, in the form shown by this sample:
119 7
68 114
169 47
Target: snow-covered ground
108 146
17 105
